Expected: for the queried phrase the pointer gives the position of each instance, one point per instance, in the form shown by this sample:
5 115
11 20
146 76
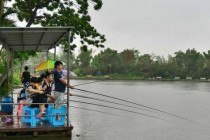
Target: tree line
130 63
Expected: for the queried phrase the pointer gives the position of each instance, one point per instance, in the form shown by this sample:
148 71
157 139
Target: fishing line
121 110
88 83
96 111
110 102
136 104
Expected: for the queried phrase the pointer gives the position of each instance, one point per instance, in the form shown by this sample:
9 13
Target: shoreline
136 79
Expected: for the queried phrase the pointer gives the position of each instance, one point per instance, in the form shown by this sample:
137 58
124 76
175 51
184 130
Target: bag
22 95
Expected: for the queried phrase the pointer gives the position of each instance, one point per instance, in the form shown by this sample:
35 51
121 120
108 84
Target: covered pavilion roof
31 38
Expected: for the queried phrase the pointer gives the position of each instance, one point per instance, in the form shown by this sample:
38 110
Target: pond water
189 100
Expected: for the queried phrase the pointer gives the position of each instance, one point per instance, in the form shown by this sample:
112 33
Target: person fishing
36 95
47 87
60 84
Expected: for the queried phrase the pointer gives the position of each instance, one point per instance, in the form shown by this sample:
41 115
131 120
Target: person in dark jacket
60 84
25 77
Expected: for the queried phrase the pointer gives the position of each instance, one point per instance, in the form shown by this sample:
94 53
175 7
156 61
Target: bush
6 88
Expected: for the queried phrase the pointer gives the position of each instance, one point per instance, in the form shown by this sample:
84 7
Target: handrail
29 103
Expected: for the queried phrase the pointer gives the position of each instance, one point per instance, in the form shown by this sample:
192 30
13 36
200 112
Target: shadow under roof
31 38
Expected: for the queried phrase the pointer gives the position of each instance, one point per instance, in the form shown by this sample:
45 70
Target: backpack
22 95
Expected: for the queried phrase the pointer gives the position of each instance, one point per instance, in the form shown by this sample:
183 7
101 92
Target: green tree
63 57
194 63
83 60
128 59
4 13
191 62
20 57
206 69
62 13
180 61
172 68
106 61
144 64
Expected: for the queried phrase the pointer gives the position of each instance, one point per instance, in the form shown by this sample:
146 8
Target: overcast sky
161 27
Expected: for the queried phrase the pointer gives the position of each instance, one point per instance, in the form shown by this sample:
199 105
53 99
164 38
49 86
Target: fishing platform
39 39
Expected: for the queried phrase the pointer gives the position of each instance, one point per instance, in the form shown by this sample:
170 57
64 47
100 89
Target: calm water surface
190 100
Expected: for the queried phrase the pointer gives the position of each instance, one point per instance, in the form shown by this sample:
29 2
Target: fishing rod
88 83
96 111
111 102
121 110
136 104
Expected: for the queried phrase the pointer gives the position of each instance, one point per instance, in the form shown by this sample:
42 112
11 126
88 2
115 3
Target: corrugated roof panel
32 38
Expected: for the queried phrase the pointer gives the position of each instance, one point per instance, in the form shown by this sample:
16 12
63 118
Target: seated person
21 95
47 88
37 96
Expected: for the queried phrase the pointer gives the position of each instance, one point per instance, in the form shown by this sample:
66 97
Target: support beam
8 61
55 53
68 78
47 54
12 69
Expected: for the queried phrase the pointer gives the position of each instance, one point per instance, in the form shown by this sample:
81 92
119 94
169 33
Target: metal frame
32 38
20 33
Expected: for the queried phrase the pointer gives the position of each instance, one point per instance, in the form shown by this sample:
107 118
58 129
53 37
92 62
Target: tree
144 64
61 13
128 59
206 70
4 13
172 67
194 62
83 59
106 61
63 57
191 62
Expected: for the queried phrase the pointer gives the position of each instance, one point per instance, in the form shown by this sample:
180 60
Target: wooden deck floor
43 129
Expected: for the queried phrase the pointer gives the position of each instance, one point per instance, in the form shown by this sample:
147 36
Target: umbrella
47 64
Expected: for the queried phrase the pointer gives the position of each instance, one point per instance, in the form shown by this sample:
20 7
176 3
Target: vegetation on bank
131 64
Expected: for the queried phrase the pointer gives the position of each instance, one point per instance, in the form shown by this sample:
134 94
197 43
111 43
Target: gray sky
161 27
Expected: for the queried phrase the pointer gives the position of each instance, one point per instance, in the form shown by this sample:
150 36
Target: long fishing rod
135 104
96 111
88 83
111 102
121 110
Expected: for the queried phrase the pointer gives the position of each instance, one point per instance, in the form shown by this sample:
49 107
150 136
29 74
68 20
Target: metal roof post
55 53
12 69
47 54
8 58
68 77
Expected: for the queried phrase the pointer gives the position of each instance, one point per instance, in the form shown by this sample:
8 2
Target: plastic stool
48 112
58 111
30 116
